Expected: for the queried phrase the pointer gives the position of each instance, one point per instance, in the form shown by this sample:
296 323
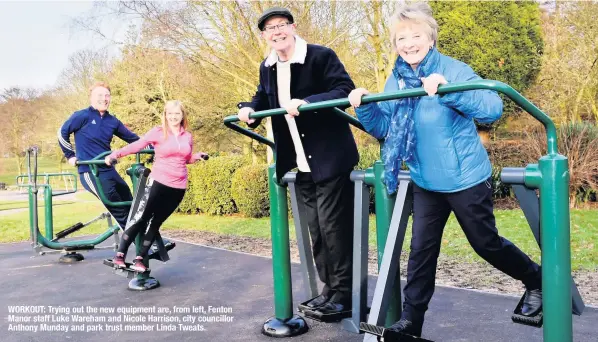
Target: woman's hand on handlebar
356 95
200 156
110 160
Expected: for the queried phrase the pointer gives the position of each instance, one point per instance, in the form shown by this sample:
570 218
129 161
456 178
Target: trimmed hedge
250 190
368 154
209 189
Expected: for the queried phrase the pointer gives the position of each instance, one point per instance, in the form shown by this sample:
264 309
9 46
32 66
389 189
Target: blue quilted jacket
449 155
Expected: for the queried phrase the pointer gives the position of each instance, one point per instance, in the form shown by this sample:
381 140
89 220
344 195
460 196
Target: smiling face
174 116
100 99
413 42
279 34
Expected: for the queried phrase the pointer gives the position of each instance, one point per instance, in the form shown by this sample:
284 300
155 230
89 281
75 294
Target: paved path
203 276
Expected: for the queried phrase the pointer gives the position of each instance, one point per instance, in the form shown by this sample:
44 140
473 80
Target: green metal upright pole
283 323
551 176
49 219
31 209
133 171
281 255
384 207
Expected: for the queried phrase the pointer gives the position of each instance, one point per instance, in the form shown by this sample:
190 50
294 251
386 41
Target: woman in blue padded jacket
437 138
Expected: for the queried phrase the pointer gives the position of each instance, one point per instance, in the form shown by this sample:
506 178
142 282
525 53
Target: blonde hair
98 85
184 122
417 12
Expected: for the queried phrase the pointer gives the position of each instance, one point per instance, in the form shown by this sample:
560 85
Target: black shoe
153 252
330 312
405 326
154 248
317 301
532 303
338 304
334 310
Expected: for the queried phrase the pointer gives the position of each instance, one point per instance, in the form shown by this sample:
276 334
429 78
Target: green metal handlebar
416 92
229 120
46 177
98 160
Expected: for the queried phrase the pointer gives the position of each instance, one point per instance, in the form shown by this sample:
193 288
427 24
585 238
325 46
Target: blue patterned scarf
399 145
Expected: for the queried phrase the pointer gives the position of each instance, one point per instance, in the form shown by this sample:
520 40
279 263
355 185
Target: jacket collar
180 132
298 55
93 110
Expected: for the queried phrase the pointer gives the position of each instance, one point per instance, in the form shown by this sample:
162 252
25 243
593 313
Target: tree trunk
19 164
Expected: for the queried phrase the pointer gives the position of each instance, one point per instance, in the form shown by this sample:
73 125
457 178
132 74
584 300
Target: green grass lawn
9 170
511 223
7 205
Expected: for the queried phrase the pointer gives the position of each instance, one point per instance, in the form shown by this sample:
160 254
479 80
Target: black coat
328 142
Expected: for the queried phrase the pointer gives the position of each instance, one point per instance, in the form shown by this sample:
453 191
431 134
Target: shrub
249 188
499 40
368 154
508 153
505 153
499 189
209 189
579 143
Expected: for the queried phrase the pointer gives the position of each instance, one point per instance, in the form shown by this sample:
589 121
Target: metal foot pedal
385 335
78 248
326 318
534 321
125 272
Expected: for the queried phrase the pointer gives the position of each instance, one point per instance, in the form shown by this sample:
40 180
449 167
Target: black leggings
162 201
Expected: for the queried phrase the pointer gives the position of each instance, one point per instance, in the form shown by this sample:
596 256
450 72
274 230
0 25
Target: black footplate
385 335
302 307
534 321
125 272
325 317
78 248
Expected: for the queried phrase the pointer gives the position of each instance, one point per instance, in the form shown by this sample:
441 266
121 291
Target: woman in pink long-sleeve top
173 146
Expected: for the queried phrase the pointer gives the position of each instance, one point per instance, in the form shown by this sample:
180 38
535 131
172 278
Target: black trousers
161 203
473 208
329 209
115 189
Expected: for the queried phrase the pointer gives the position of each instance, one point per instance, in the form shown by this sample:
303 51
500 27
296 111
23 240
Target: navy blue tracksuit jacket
93 135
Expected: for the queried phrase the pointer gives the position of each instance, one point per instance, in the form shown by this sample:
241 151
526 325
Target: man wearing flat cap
318 143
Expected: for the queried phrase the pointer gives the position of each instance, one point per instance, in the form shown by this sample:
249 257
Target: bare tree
567 87
19 122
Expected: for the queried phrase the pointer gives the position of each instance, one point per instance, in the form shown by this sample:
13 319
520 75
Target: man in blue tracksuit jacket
94 128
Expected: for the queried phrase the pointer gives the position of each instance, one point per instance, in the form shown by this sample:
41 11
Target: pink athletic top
171 155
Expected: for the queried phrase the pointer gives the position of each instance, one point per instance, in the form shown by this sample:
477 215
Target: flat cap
274 11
